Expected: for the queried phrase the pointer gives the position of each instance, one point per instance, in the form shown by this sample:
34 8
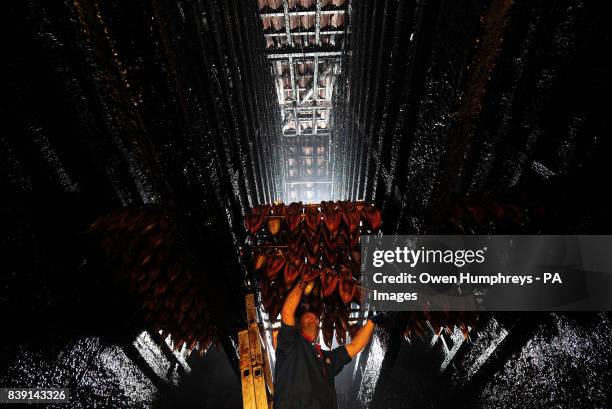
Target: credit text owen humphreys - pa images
411 258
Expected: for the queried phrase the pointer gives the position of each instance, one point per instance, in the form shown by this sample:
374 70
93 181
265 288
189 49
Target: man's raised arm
361 339
291 303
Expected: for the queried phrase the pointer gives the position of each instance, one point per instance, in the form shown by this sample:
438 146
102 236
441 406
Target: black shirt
302 379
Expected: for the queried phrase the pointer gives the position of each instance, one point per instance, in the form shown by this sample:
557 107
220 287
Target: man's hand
291 303
361 339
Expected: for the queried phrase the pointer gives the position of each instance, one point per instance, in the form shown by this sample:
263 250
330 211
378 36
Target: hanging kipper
141 248
318 244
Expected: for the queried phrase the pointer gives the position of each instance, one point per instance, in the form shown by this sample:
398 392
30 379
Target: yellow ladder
255 370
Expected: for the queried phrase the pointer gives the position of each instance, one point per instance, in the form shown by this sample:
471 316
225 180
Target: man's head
309 325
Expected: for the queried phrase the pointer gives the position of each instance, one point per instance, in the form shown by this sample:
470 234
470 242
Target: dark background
452 116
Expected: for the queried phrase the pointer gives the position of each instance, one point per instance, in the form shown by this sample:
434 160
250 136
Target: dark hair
300 311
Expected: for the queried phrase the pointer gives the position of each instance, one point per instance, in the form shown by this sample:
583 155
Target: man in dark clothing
304 374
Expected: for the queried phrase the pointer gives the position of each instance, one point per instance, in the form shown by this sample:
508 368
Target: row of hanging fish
318 244
422 323
141 248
